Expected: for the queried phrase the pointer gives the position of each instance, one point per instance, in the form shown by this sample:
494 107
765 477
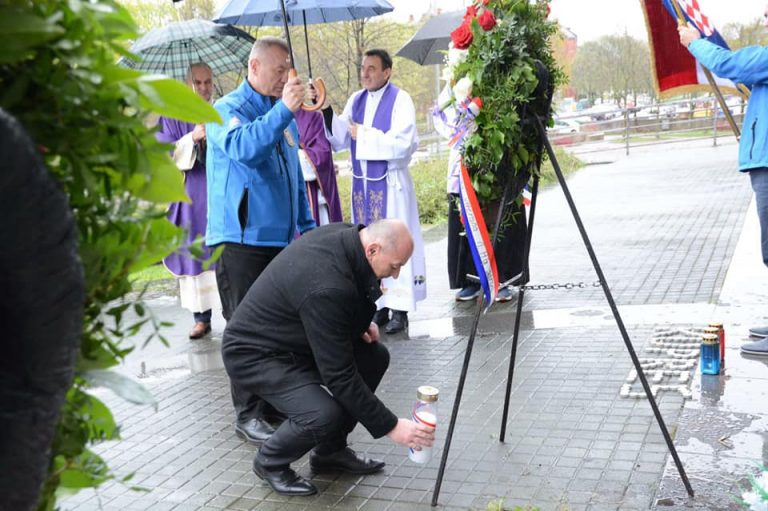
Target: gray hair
195 65
266 43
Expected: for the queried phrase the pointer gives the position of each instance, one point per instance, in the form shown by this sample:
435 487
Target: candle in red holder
721 335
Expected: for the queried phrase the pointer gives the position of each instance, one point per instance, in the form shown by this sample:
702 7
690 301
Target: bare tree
149 15
337 51
618 65
195 9
739 35
587 73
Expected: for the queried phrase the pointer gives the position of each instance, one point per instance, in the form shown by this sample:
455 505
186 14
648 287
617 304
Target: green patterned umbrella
170 50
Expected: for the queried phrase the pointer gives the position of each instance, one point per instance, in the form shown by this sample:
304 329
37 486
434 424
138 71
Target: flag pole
744 91
711 79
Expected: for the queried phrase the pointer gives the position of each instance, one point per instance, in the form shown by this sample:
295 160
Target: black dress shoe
255 431
284 481
381 317
398 322
345 460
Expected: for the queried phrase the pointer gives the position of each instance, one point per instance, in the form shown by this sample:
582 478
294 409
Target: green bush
568 163
429 182
429 179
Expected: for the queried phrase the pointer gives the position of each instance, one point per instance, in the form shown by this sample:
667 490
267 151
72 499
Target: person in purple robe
197 287
316 159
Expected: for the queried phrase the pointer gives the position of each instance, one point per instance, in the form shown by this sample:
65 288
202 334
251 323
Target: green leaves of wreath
492 57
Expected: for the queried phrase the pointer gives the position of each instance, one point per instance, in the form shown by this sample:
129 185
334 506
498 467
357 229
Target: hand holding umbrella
266 12
293 93
318 85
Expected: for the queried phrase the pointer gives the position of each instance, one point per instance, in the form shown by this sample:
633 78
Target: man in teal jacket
257 199
748 66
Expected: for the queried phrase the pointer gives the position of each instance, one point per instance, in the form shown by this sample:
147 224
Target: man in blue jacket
748 66
257 199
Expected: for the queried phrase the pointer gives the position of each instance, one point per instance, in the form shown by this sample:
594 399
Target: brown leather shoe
199 330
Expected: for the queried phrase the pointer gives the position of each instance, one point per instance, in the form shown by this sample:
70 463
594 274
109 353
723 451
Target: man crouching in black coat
303 340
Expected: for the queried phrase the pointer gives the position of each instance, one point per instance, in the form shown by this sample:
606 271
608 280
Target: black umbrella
427 46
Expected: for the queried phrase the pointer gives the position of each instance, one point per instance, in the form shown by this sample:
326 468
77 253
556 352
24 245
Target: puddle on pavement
745 393
497 321
205 356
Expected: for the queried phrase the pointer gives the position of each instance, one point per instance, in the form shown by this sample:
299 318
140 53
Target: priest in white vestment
378 125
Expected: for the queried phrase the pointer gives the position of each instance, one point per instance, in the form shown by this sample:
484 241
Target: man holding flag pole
748 66
675 70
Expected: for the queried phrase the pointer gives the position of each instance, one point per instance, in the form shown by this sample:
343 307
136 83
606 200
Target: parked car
564 126
603 112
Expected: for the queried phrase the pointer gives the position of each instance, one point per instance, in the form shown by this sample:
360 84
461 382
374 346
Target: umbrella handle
319 85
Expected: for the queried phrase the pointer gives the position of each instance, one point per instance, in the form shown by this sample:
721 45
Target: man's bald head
264 44
200 78
388 245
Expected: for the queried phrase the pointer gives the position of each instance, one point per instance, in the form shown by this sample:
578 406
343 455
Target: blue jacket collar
249 94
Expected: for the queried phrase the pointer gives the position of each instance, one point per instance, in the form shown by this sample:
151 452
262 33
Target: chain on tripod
567 285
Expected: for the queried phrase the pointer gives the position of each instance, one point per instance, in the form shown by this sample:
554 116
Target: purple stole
369 192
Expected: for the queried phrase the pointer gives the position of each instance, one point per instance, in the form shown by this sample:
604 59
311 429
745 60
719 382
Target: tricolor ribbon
466 111
526 195
477 235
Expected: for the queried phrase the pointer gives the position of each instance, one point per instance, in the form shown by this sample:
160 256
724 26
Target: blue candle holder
710 354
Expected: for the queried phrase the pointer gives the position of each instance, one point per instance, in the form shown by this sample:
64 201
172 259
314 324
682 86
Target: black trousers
508 248
293 386
238 267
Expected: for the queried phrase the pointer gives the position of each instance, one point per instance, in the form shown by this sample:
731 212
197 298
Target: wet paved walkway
666 234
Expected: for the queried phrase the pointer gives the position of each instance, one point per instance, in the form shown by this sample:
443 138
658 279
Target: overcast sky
591 19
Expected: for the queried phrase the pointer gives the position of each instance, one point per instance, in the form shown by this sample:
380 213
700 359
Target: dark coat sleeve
331 330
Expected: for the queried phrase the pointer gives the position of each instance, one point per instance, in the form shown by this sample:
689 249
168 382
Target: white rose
453 58
456 56
447 74
462 89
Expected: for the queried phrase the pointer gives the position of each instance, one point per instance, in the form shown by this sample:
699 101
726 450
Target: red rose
487 20
486 2
470 14
462 37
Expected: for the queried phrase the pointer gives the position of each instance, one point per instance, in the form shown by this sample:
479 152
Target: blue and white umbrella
298 12
261 13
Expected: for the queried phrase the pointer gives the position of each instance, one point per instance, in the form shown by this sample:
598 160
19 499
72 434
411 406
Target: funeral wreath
491 69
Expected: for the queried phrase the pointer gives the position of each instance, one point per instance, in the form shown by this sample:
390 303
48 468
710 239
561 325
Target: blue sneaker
504 295
468 293
761 332
756 349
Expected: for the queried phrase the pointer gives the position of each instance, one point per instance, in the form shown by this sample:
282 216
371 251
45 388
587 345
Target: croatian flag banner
675 70
477 236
